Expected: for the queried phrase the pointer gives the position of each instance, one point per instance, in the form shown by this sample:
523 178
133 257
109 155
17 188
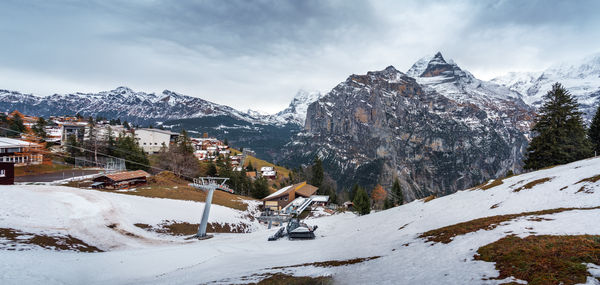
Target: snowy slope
581 78
391 234
86 214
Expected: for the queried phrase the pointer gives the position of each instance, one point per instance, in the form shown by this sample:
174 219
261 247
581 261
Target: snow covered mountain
123 103
581 78
437 129
448 79
438 241
296 112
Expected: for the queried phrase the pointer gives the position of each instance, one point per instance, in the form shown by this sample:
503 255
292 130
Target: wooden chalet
121 180
285 195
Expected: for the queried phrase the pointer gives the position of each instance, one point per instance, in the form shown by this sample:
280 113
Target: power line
92 151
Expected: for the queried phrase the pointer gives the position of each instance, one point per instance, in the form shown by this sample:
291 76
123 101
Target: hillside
444 240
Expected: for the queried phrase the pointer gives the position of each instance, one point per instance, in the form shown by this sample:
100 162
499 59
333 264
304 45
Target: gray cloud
256 54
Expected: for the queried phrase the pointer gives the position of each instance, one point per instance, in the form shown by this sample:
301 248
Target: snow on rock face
296 112
389 125
232 258
581 78
123 103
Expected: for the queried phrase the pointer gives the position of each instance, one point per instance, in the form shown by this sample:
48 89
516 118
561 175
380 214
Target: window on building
2 173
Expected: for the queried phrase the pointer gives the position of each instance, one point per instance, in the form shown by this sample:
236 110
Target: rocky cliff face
373 128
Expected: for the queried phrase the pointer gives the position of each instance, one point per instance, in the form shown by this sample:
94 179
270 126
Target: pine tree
260 188
362 203
129 150
398 198
388 204
16 126
212 170
39 129
560 136
594 131
317 173
353 191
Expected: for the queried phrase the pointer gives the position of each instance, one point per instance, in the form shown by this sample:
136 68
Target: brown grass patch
58 242
543 259
533 183
169 186
185 229
592 179
39 169
331 263
492 184
446 234
285 279
428 198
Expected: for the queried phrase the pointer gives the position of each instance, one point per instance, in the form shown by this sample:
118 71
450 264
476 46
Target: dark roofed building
121 180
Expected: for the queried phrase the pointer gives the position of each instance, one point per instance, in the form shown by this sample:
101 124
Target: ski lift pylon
208 184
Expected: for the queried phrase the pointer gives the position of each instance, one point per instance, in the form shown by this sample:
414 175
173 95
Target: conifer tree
260 188
362 203
317 173
212 170
353 191
387 204
594 131
16 125
560 136
397 193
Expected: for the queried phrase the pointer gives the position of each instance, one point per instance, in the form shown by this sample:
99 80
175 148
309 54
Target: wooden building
285 195
20 152
121 180
7 173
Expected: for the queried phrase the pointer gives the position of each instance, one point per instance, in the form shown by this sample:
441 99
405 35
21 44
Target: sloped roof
280 192
121 176
306 190
301 189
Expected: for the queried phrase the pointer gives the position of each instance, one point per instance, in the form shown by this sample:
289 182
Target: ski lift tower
208 184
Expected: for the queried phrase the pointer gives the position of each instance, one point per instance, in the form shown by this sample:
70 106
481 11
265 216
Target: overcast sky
257 54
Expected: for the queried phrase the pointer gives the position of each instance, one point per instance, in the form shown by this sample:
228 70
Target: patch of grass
533 183
169 186
185 229
40 169
284 279
332 263
543 259
592 179
58 242
428 198
492 184
446 234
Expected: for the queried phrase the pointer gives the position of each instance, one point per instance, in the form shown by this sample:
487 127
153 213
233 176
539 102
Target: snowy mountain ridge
580 77
124 103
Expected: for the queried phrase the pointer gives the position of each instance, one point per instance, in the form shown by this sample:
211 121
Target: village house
268 172
20 152
285 195
7 173
152 140
121 180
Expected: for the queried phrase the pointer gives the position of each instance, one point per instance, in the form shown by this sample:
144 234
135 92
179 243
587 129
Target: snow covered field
150 258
